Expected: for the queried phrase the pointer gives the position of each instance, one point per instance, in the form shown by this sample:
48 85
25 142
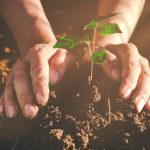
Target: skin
41 64
124 62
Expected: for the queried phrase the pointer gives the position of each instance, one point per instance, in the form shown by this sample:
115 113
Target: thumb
58 65
112 66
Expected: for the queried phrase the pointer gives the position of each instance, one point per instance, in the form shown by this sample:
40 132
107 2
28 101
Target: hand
27 85
124 63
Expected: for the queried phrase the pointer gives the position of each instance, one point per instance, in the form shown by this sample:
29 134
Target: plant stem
90 50
109 111
91 72
92 65
94 37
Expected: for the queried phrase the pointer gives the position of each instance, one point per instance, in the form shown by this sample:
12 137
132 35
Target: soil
78 115
88 117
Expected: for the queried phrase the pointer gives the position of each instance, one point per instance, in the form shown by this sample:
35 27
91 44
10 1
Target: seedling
98 26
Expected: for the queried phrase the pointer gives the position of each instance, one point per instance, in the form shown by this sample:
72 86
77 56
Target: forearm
128 11
27 22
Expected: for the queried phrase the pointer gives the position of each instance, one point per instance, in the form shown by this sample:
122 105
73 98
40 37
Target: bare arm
129 13
27 22
124 62
39 65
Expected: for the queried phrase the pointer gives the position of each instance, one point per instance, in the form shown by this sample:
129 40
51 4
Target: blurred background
69 16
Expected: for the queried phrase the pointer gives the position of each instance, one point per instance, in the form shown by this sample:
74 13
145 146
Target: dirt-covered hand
27 86
124 63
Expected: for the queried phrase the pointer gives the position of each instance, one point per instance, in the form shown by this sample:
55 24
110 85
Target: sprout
98 26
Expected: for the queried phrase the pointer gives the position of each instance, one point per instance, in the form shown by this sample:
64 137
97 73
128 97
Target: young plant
98 26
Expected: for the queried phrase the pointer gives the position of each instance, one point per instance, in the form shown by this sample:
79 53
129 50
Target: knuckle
146 73
134 65
36 49
36 69
43 79
146 69
132 47
145 61
132 51
19 77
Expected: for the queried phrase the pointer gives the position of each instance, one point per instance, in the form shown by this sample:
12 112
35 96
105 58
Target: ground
79 116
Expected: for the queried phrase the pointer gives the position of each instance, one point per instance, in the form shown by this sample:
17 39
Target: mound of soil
78 115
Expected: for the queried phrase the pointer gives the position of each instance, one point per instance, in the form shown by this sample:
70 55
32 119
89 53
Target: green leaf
102 18
108 28
59 45
98 57
85 40
91 25
94 22
67 42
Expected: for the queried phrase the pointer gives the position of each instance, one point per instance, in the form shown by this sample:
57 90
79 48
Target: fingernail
126 93
40 99
1 109
30 110
116 74
11 111
140 104
54 76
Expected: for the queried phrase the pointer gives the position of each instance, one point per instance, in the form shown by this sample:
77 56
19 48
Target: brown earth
78 115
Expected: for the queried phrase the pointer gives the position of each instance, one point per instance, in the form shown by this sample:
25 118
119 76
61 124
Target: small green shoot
98 26
91 25
98 57
67 42
108 29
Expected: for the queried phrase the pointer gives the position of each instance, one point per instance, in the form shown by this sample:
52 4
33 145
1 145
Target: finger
49 51
59 64
2 104
148 105
111 66
10 98
23 88
39 71
129 58
142 92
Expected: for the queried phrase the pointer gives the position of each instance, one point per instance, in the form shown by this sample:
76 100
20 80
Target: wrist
117 38
27 25
111 39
